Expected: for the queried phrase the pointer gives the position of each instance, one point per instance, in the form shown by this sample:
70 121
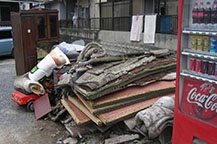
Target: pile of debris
105 90
98 91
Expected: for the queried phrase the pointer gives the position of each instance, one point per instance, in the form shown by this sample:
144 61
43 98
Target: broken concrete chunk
130 123
170 76
160 52
70 140
67 120
65 79
41 128
121 139
53 135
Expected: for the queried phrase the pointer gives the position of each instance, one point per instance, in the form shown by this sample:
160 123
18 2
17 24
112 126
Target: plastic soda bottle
201 14
207 14
195 14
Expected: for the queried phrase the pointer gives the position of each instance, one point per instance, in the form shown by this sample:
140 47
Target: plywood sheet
127 111
132 93
78 116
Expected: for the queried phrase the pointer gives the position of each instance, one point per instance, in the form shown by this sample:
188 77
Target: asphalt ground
17 125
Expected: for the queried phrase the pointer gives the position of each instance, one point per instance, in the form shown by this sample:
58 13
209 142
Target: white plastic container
45 67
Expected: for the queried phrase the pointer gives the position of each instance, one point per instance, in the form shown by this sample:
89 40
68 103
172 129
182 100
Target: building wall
94 9
84 3
120 41
12 7
94 14
148 6
138 7
62 11
60 6
172 7
70 35
116 42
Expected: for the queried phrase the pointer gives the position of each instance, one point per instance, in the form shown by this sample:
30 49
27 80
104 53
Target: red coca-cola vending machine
195 117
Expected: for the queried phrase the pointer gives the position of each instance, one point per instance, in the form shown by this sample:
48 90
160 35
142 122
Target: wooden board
126 112
79 105
132 93
78 116
124 103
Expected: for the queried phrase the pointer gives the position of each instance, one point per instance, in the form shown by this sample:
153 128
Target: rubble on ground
94 96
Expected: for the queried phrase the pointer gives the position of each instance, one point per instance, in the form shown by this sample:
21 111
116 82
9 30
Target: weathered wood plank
78 116
84 110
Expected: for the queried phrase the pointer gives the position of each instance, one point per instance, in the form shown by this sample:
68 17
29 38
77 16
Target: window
106 16
115 15
5 34
122 15
167 20
41 27
5 13
53 26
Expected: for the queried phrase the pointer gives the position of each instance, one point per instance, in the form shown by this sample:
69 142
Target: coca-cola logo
202 100
199 100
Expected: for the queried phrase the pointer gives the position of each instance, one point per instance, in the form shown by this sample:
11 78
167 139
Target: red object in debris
42 106
23 99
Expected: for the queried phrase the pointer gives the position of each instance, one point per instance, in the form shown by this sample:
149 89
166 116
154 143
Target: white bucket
59 57
45 67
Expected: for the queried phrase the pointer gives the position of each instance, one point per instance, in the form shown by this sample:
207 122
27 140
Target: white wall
168 41
94 9
60 6
62 11
172 8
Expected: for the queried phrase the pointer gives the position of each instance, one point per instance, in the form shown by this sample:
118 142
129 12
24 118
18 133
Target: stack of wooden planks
116 106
